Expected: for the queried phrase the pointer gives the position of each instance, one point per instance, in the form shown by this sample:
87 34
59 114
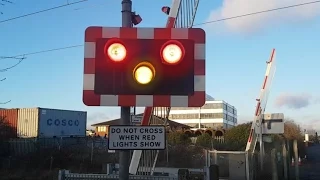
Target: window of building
102 128
185 116
218 115
208 106
184 108
212 106
224 106
207 115
196 116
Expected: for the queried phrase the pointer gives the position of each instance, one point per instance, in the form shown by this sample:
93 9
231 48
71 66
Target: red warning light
172 52
116 51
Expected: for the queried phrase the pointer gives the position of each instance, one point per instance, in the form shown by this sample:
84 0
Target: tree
237 137
178 138
204 140
292 130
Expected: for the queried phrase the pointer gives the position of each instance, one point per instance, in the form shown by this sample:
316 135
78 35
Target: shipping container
9 128
49 123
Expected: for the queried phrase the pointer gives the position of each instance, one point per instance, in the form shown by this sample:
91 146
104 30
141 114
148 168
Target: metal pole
296 158
261 143
124 156
200 118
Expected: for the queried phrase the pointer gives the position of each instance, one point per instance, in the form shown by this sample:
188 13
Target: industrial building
44 123
214 114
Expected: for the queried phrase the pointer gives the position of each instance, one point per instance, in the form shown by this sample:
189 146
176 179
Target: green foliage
237 137
178 138
182 156
204 140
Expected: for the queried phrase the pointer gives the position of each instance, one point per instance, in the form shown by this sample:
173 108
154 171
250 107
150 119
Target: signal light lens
144 73
117 52
172 52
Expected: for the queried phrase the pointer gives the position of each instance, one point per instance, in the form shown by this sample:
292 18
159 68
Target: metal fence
23 146
217 139
66 175
233 165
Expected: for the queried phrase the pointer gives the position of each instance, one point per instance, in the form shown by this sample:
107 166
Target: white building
214 114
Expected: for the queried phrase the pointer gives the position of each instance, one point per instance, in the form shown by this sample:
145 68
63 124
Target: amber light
144 73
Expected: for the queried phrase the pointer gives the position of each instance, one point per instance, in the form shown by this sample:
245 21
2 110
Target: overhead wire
259 12
208 22
44 10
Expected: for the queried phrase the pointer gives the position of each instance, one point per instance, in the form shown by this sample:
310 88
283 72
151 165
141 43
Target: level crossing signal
131 66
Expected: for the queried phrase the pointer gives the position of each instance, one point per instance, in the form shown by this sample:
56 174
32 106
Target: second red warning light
172 52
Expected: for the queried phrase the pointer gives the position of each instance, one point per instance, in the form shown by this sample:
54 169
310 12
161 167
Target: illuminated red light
172 52
116 52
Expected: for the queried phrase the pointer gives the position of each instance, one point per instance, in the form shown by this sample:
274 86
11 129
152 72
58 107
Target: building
214 114
101 129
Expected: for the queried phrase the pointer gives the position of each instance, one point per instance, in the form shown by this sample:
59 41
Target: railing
233 165
219 139
66 175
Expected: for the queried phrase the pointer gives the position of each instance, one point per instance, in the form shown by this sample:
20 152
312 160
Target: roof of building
209 98
156 120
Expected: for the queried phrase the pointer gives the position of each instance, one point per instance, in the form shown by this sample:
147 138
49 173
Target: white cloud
295 101
256 22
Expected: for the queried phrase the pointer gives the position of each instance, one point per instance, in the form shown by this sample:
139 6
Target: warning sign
137 138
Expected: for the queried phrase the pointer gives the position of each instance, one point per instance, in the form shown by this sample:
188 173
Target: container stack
43 123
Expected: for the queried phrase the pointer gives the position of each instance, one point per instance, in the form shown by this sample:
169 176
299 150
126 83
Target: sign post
136 119
124 156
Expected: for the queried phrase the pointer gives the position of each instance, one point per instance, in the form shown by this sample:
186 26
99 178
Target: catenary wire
259 12
45 10
208 22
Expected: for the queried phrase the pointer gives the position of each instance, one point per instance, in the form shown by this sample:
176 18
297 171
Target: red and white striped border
263 98
173 13
92 99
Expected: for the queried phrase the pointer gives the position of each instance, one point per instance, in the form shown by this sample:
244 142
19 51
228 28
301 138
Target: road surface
310 169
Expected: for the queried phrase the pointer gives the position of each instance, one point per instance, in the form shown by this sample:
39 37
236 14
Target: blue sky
236 53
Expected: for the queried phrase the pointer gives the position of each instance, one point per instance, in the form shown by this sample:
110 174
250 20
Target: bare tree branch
4 2
3 79
7 1
11 57
5 102
13 66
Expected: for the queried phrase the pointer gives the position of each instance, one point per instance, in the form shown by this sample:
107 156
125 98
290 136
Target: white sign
272 124
136 118
137 138
306 137
111 151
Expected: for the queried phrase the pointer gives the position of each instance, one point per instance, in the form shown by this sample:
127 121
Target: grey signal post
124 155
